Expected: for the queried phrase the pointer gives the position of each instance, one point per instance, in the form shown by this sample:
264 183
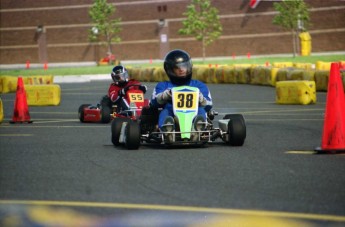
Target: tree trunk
109 48
203 49
294 42
109 44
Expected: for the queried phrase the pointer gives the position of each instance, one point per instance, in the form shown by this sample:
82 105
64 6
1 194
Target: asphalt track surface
274 179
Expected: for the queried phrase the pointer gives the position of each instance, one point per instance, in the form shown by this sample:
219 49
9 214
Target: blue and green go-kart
186 129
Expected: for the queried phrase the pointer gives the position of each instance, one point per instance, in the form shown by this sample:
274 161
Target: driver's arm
164 96
205 98
161 94
113 93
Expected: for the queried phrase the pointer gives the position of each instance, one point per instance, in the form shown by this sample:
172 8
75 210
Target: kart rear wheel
132 135
116 125
105 114
236 129
81 111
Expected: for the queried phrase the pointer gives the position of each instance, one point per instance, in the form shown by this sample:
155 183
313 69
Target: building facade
57 30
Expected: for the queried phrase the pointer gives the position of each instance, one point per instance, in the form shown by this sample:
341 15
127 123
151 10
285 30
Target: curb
80 78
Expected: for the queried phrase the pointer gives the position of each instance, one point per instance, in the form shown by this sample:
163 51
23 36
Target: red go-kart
106 111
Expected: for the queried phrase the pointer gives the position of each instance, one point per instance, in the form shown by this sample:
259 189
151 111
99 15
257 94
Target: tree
202 22
105 28
291 15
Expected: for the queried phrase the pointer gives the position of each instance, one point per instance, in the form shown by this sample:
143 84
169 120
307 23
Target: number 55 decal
136 97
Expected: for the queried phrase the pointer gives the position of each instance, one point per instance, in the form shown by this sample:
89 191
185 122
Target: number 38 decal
136 97
185 100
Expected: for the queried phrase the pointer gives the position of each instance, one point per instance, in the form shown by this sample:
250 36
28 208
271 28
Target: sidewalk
80 78
126 62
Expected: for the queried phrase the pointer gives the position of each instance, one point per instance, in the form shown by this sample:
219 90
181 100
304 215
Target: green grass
299 59
87 70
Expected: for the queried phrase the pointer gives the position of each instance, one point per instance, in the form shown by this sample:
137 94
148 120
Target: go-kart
105 111
187 128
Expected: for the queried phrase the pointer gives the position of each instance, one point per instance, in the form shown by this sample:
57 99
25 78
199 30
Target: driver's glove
202 99
123 91
143 88
164 96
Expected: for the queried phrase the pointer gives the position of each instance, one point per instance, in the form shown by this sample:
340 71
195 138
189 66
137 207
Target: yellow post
305 43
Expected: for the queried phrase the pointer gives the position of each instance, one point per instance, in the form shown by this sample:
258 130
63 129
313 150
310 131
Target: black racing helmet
177 59
119 74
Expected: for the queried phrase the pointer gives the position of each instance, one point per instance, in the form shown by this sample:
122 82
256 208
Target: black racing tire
105 114
132 135
236 129
81 111
105 101
116 125
232 116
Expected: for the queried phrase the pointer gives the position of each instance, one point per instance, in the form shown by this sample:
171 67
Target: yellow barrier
134 73
321 80
225 74
320 65
274 73
243 75
43 95
36 80
303 65
9 83
201 73
231 75
1 111
305 43
296 92
242 65
298 74
146 75
159 74
284 74
282 64
257 76
194 73
212 78
262 76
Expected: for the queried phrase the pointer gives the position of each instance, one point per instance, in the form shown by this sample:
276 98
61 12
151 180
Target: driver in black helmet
178 66
117 90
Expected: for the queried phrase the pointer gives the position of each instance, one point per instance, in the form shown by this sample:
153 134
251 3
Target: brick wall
245 30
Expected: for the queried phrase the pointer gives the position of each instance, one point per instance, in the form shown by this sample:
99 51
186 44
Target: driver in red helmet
117 90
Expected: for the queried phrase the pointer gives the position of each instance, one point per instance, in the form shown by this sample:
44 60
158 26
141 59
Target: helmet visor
182 69
119 75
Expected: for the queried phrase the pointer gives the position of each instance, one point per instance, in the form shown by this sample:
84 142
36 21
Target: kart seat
148 118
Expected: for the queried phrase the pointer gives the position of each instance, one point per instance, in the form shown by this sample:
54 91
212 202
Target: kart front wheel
105 114
236 130
116 125
132 141
81 111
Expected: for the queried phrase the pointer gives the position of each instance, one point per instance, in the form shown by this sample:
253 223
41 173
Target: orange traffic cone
21 110
333 137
